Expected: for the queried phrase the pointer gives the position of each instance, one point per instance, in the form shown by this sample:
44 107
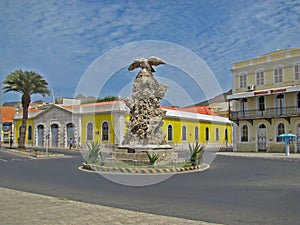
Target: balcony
267 114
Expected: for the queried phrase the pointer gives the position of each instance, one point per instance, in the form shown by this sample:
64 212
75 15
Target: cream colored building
266 101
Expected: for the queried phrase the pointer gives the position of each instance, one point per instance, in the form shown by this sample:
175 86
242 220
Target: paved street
235 190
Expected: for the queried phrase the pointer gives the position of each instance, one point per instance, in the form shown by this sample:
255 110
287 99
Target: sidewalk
17 207
266 155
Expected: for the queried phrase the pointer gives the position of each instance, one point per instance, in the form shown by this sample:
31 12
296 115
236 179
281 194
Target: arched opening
105 131
89 132
183 133
54 135
40 135
170 132
262 138
70 133
196 134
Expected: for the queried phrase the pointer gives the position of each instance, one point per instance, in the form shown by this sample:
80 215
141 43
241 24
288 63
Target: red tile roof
7 113
193 109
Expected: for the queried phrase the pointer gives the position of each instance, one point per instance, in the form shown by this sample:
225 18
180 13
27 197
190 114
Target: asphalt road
234 190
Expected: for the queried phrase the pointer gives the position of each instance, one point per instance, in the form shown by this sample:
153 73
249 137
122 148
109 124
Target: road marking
3 160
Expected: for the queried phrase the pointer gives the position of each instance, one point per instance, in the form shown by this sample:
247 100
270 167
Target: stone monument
144 126
144 133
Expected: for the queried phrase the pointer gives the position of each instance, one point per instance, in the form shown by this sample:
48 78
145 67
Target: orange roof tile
194 109
7 113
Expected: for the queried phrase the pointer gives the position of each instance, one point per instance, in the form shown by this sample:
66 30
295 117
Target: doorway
262 138
54 135
40 131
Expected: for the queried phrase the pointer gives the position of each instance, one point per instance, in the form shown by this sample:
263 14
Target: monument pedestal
138 153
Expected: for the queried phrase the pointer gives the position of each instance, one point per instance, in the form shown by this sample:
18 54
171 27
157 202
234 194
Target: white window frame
102 133
278 78
242 133
243 80
196 133
172 132
277 130
183 133
87 131
260 77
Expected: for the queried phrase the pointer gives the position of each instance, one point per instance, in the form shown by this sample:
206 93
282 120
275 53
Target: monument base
138 153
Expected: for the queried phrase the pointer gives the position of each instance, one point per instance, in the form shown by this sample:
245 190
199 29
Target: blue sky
61 39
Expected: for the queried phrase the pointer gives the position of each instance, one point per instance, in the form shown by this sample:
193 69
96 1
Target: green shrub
94 152
152 158
196 152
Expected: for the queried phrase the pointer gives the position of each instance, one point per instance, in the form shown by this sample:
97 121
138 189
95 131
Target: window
196 134
260 77
243 80
280 130
226 134
170 132
298 99
184 133
217 134
297 71
244 136
29 133
89 132
261 103
278 74
206 134
104 131
280 104
244 106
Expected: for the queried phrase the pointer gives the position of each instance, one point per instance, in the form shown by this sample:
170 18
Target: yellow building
266 101
105 122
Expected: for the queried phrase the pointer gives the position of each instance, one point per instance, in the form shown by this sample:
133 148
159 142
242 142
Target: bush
94 152
196 152
152 158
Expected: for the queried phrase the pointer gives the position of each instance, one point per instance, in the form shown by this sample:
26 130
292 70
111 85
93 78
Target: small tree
27 83
94 152
196 153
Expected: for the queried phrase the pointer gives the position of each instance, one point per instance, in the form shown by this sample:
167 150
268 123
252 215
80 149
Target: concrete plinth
131 153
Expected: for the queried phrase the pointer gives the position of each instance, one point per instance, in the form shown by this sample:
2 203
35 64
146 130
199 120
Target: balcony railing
266 114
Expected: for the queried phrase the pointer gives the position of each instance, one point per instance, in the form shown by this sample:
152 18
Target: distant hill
218 99
85 99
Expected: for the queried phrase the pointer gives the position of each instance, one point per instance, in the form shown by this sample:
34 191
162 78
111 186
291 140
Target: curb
35 156
126 170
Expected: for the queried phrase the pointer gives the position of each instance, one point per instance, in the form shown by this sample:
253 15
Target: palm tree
26 83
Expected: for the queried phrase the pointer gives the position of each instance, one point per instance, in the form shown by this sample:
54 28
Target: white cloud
62 38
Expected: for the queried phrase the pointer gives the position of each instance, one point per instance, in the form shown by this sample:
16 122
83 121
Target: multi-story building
266 101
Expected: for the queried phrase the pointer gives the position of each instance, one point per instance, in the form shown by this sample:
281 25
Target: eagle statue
146 64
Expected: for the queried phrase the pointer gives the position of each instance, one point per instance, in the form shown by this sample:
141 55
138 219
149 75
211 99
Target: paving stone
19 207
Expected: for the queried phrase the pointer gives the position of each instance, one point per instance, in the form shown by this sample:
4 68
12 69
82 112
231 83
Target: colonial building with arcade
266 101
105 122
